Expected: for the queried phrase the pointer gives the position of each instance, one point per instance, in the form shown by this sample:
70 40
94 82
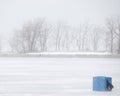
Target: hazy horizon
13 13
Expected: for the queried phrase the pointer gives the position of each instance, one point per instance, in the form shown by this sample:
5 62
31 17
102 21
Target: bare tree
83 36
79 38
32 37
97 36
43 36
113 25
61 34
66 38
117 32
111 29
58 36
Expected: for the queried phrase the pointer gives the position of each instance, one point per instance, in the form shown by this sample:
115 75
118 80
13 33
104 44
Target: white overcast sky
13 13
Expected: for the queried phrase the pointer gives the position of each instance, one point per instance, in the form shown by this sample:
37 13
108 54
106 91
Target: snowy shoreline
63 55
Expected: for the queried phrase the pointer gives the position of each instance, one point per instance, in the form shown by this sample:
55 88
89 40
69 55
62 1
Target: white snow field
44 76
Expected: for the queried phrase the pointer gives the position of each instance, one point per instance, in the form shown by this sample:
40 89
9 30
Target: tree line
41 36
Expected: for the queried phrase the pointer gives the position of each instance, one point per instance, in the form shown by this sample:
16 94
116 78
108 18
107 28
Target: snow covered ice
44 76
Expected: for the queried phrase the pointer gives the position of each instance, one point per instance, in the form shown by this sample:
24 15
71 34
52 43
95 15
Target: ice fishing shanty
102 83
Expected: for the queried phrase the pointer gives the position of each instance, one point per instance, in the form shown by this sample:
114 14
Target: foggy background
14 13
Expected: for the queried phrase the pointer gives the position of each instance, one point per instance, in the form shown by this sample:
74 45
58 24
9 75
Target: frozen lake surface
35 76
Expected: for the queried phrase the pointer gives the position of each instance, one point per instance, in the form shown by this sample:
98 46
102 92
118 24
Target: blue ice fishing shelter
102 83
